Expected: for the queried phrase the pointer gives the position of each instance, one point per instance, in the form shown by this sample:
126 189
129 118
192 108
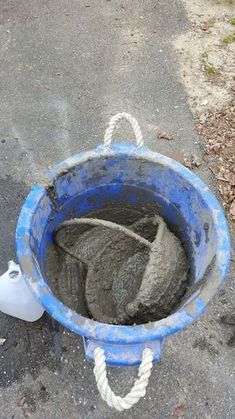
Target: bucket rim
89 328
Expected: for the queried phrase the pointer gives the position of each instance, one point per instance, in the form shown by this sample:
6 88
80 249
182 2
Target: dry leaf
218 133
166 136
192 161
195 160
232 209
180 410
232 179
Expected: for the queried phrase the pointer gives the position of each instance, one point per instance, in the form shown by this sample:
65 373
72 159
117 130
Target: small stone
204 102
203 118
21 402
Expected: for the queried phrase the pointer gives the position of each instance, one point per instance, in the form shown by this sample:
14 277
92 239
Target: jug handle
139 388
114 121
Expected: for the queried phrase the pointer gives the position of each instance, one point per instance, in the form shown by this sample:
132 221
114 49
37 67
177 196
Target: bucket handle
112 124
139 388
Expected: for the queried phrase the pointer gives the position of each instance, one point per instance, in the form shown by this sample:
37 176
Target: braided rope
112 124
137 391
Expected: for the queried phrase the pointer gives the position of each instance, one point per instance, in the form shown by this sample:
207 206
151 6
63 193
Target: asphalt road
66 67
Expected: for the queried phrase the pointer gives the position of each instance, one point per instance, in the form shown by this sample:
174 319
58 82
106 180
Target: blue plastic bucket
134 176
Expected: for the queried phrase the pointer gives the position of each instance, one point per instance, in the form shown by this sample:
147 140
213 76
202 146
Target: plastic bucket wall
135 176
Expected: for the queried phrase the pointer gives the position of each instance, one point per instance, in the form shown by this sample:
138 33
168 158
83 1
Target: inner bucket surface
128 176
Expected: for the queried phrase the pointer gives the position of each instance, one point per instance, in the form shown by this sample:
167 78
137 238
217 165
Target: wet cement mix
118 273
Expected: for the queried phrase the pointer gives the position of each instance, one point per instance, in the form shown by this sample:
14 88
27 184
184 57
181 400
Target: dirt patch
218 131
207 67
206 54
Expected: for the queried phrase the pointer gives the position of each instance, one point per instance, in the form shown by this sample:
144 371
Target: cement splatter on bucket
125 174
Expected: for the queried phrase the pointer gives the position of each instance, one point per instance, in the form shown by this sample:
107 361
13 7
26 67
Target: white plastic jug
15 297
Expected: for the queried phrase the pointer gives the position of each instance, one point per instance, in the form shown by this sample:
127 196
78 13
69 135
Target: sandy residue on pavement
206 53
207 66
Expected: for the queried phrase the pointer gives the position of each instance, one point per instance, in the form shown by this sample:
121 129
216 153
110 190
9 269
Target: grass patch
211 21
230 2
211 69
229 39
232 21
204 55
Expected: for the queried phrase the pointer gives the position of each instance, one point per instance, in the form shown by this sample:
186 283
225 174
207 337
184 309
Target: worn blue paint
136 176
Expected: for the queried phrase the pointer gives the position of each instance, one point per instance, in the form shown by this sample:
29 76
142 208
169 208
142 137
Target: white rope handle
112 124
137 391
